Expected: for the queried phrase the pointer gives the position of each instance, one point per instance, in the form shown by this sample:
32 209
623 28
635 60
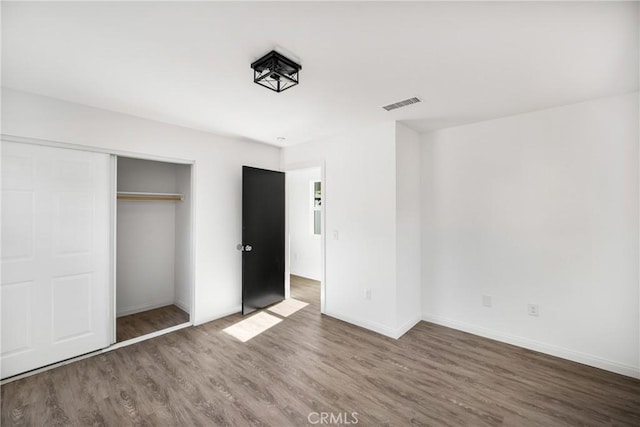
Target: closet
97 248
153 261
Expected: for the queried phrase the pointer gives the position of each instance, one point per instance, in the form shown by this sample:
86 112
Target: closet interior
153 241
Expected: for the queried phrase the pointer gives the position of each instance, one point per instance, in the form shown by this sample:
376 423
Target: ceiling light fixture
275 71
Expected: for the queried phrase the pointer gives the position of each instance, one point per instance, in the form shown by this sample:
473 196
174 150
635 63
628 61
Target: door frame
113 217
323 235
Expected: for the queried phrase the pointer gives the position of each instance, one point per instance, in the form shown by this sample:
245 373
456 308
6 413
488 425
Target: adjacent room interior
303 213
304 208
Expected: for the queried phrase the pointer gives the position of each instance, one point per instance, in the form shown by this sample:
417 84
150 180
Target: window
316 207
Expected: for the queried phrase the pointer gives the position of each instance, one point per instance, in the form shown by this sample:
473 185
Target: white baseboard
377 327
208 319
141 308
304 275
407 326
183 306
553 350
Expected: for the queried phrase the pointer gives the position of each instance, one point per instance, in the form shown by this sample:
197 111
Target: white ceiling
188 63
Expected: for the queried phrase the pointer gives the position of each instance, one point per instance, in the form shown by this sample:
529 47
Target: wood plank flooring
145 322
310 363
306 290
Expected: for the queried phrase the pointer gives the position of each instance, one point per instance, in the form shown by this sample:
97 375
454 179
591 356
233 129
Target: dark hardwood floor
143 323
309 364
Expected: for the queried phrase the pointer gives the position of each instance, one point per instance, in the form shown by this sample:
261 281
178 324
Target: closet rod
168 197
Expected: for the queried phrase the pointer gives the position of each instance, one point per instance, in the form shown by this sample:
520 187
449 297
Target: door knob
244 248
247 248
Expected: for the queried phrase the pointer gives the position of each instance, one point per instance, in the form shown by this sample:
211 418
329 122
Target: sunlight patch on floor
287 307
248 328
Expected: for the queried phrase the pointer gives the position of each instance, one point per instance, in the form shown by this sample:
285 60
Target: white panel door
55 255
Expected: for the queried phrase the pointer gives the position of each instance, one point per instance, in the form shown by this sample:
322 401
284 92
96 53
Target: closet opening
153 289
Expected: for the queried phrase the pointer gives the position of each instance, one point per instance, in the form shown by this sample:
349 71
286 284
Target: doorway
305 235
153 265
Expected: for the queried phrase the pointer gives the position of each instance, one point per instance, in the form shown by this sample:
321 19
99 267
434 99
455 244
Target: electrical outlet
533 310
367 294
486 300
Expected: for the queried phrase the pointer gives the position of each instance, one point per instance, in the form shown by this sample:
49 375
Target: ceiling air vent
401 104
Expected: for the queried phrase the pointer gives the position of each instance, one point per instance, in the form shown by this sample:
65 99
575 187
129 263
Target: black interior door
262 238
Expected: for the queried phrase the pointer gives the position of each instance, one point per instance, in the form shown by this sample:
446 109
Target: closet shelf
139 196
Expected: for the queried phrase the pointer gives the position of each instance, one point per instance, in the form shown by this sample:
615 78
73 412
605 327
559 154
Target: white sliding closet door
55 255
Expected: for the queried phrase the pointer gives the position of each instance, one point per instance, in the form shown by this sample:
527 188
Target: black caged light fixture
275 71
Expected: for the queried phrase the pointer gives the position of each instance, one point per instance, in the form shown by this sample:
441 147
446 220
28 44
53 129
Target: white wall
305 247
146 256
146 238
359 189
146 176
538 208
408 243
153 238
217 169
